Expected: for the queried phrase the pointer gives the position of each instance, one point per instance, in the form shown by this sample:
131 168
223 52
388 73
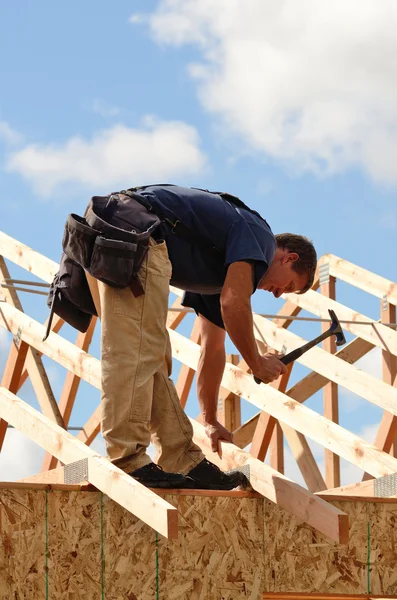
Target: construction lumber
113 482
12 374
229 405
69 390
55 347
186 375
88 368
365 489
265 427
28 259
378 334
331 405
278 488
34 365
331 367
361 278
49 477
318 428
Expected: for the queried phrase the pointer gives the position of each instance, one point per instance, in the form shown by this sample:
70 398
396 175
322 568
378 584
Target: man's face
280 277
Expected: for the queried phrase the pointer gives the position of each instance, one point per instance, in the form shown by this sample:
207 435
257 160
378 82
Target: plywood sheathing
299 559
219 552
229 547
23 544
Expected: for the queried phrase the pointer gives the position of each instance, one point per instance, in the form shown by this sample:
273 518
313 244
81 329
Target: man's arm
238 320
209 375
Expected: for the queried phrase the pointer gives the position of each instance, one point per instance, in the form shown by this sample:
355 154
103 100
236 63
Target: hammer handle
286 360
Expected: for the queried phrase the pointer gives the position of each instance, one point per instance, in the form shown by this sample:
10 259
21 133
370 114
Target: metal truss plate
245 469
324 273
386 486
76 472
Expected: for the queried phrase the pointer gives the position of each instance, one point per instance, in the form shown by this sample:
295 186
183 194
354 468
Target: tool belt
110 242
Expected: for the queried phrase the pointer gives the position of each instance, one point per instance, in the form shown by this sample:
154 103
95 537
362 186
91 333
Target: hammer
335 330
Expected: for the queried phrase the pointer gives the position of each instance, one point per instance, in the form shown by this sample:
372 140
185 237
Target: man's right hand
269 368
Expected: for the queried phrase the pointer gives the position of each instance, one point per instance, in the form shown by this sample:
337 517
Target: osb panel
130 555
22 545
383 558
299 559
74 546
219 552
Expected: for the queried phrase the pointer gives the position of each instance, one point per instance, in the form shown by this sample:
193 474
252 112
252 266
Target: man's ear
291 257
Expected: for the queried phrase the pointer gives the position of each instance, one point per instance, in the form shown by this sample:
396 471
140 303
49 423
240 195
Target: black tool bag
70 297
109 242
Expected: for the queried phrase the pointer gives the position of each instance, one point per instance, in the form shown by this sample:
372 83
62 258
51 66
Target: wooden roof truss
281 415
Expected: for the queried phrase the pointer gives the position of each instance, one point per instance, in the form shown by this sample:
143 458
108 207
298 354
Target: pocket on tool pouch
78 240
113 261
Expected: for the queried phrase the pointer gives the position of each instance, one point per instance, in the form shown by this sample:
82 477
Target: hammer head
336 329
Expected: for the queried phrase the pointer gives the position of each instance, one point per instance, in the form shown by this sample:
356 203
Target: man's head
293 266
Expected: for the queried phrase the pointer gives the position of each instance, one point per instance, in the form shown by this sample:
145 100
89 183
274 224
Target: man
231 253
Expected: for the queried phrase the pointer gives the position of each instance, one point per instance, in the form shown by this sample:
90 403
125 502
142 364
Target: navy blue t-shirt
239 234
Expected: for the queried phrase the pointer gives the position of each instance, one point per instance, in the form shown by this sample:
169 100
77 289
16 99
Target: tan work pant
139 400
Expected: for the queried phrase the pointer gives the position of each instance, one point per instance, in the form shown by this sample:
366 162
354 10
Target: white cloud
20 457
311 83
9 135
104 109
113 158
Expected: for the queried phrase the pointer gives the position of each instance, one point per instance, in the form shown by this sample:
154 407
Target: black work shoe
153 476
207 476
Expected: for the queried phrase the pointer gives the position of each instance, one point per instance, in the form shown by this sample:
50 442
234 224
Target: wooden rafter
278 488
328 434
119 486
361 278
332 367
88 368
378 334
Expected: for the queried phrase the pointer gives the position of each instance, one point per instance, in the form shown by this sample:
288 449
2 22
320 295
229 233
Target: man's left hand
216 431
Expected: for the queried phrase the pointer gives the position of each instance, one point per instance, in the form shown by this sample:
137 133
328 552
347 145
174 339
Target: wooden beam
266 423
361 278
304 457
331 405
34 365
12 374
332 367
28 259
174 318
89 369
279 489
55 347
139 500
229 405
378 334
387 431
314 596
92 427
364 489
56 325
186 375
389 362
51 476
328 434
69 391
277 448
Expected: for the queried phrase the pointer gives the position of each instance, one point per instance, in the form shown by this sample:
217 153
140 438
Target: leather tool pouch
111 240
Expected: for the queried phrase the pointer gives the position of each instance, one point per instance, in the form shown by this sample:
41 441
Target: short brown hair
307 261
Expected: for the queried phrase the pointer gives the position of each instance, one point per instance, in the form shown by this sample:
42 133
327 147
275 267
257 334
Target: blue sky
291 106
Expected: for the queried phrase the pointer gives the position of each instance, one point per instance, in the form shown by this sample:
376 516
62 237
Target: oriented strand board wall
229 547
299 559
